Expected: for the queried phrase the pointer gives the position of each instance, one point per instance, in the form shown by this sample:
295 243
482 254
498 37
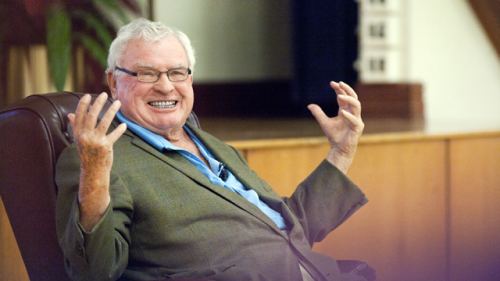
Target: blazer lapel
173 159
243 174
178 162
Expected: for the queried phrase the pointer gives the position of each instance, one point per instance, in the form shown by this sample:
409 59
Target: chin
171 124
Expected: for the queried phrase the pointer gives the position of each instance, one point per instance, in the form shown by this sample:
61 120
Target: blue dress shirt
216 172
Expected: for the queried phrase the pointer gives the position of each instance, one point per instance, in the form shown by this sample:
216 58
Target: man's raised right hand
95 148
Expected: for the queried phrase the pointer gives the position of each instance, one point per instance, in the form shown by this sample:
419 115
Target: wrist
93 195
342 162
92 208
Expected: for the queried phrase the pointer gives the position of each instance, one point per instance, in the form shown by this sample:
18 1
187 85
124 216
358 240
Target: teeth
163 104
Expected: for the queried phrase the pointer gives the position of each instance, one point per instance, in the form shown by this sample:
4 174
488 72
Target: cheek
189 98
125 87
128 95
130 91
187 92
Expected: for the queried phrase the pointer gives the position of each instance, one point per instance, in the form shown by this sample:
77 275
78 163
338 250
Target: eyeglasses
149 75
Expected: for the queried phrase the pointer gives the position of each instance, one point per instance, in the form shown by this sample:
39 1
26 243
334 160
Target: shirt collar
161 143
154 139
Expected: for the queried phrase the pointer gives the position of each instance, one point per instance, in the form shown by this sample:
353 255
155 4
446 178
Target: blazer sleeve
325 199
102 253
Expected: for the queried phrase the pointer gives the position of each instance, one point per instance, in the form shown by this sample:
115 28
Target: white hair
149 31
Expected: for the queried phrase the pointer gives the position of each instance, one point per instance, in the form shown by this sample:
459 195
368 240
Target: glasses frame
158 74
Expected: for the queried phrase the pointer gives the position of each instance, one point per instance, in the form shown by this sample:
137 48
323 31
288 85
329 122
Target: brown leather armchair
33 133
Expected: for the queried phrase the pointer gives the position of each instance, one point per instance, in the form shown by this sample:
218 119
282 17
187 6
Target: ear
111 83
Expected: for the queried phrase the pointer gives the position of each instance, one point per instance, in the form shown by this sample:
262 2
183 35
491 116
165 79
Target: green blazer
167 220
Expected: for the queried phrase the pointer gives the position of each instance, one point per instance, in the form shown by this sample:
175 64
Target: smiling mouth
163 104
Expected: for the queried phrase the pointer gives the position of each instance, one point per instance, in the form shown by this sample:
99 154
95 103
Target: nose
163 84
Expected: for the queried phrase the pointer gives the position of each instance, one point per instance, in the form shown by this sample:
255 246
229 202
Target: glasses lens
177 74
147 75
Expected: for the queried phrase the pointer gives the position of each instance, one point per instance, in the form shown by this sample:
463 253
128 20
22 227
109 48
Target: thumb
318 113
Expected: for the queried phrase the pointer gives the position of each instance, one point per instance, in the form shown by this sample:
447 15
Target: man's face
145 103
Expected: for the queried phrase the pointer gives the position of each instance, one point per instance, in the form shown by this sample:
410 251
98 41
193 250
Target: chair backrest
33 133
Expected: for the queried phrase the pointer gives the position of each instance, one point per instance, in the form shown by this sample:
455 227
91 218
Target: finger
336 87
354 122
318 113
348 89
71 119
117 132
95 109
108 117
81 112
350 104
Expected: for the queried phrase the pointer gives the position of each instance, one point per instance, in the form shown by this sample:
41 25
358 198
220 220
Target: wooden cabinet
474 222
402 230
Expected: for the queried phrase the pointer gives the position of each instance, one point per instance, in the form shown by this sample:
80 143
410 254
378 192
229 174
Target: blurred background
278 55
427 74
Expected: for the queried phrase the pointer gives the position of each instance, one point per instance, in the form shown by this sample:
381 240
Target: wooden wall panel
402 230
475 209
11 264
285 167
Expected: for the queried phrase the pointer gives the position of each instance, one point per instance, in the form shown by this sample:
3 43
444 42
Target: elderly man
143 195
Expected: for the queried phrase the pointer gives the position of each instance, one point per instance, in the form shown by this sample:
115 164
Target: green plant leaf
96 24
114 6
95 49
58 44
132 5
